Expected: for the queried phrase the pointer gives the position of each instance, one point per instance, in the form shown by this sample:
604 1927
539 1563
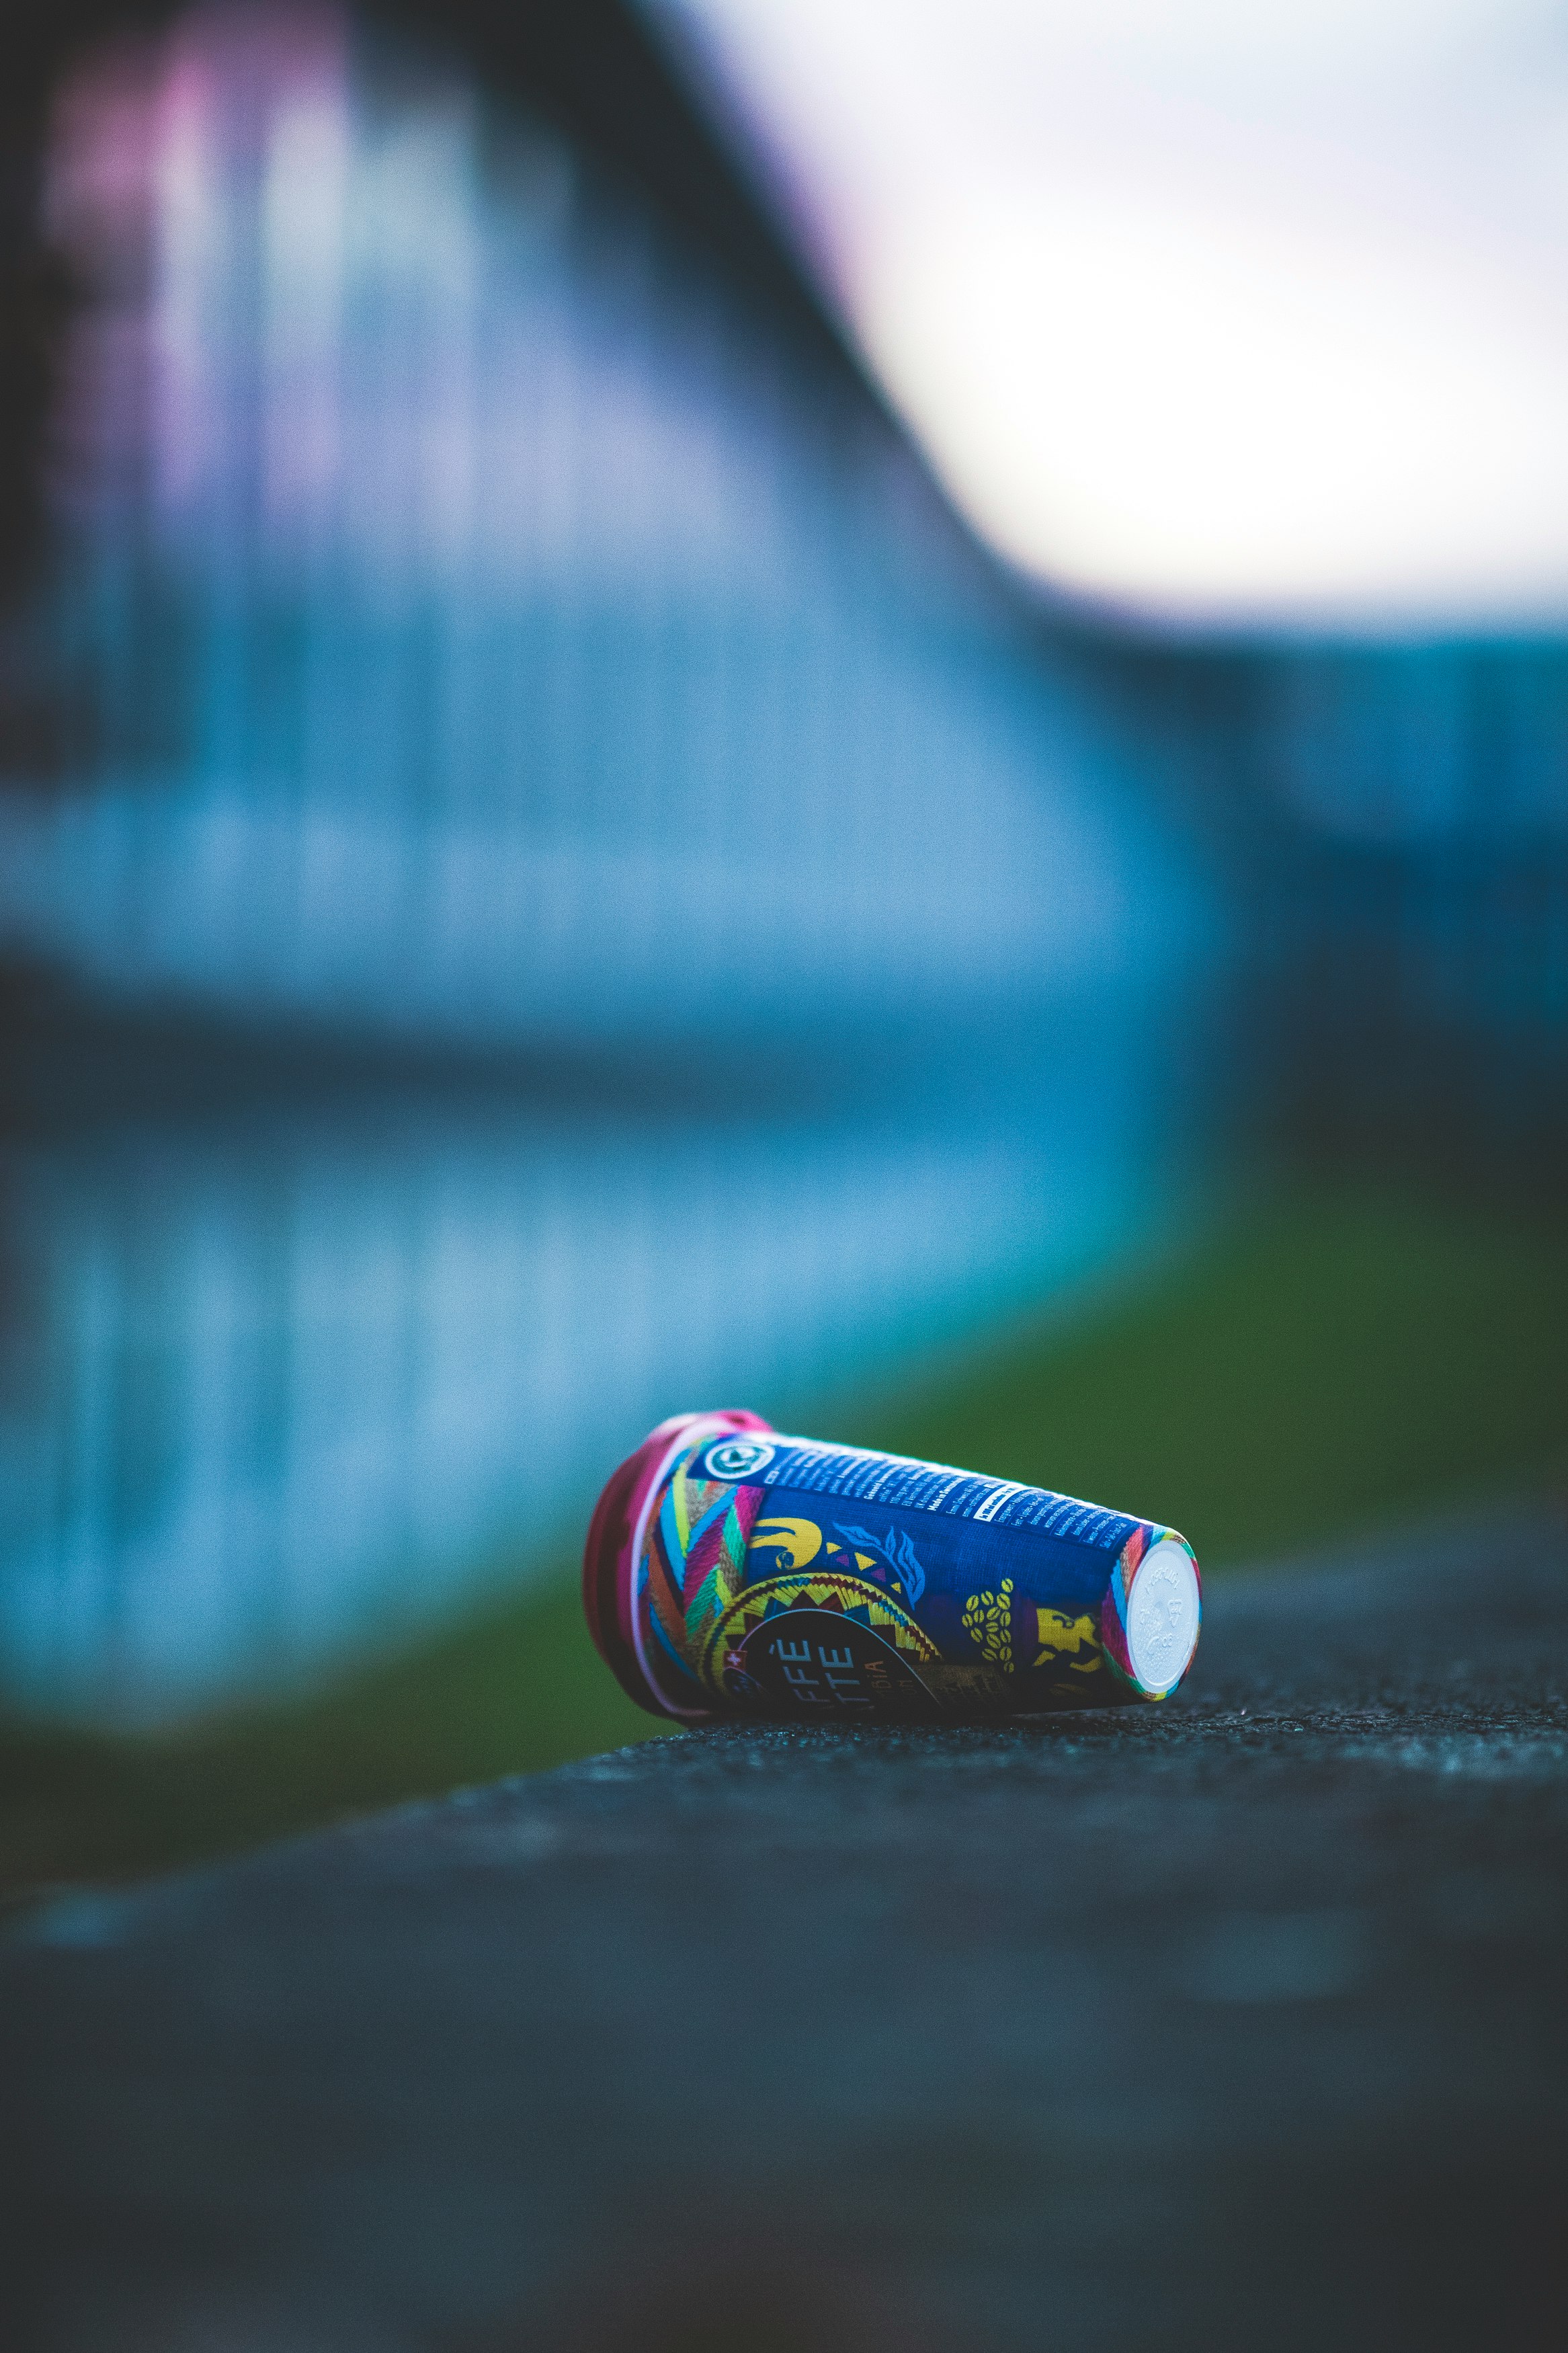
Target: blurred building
1423 1003
1395 818
474 617
542 875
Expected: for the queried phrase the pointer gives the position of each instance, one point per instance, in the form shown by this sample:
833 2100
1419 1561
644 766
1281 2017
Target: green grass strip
1324 1367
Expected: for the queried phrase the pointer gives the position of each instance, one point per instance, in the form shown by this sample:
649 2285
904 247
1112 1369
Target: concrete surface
1239 2022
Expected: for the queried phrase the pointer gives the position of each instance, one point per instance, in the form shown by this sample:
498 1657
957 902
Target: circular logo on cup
821 1639
737 1458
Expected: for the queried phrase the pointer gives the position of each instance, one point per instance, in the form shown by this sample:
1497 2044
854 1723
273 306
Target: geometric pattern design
1114 1611
829 1590
694 1562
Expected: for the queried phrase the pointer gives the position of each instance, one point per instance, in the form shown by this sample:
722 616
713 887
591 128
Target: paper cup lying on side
730 1569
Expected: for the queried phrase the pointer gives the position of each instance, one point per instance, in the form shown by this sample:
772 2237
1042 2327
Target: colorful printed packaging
731 1570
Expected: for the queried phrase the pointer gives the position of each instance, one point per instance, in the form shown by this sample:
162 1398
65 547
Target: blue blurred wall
569 886
561 885
480 625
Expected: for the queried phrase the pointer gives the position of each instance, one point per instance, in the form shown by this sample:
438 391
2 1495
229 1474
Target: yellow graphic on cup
796 1541
1060 1633
988 1622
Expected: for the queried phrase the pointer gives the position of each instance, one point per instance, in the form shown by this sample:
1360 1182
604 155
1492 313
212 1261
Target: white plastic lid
1163 1611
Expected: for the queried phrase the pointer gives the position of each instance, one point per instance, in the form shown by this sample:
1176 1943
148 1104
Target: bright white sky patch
1221 310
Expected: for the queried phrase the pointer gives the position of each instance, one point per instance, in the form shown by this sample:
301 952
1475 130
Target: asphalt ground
1237 2022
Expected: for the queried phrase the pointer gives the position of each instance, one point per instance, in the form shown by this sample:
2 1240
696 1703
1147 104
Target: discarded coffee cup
732 1570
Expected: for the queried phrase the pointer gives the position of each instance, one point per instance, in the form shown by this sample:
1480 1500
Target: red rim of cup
609 1571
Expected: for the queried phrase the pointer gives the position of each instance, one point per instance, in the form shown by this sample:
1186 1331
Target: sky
1223 314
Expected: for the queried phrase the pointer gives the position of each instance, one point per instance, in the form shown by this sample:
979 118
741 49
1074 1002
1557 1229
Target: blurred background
858 710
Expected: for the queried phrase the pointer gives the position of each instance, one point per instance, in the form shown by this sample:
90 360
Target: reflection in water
275 1391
